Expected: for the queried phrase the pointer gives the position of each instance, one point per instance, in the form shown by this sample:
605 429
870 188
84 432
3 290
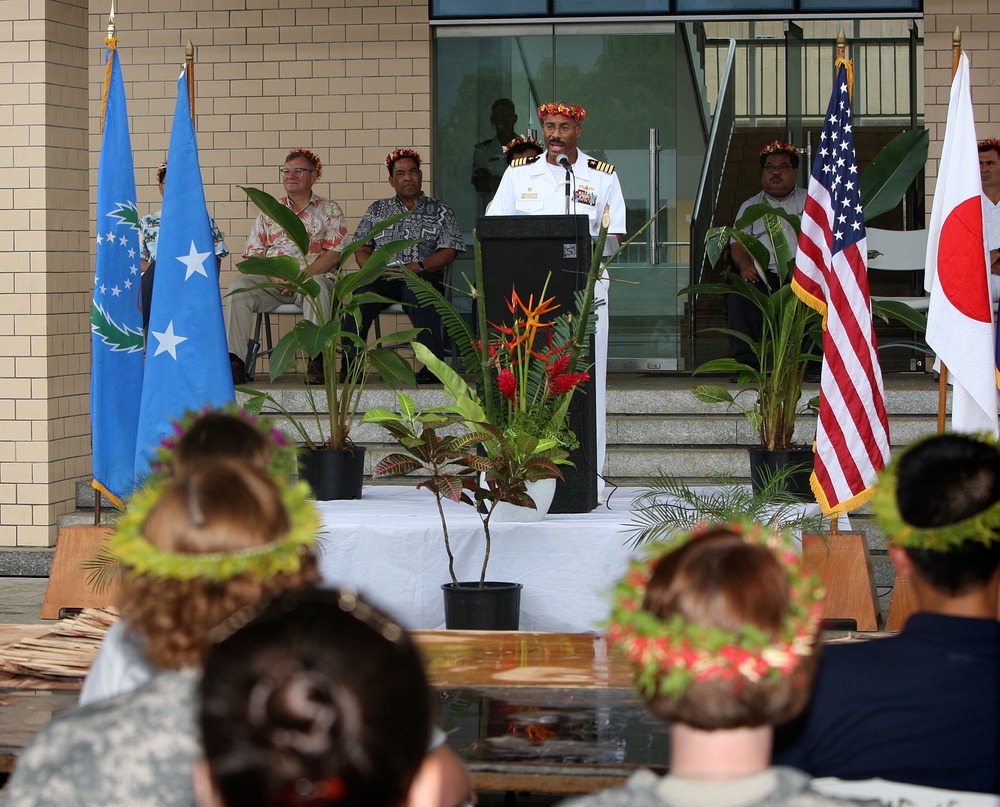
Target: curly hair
218 507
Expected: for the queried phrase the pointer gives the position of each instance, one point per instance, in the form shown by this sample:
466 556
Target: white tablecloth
389 546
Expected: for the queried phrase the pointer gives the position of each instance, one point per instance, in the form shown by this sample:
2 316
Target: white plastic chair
899 251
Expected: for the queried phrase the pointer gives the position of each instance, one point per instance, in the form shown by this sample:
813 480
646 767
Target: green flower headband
138 556
670 654
984 526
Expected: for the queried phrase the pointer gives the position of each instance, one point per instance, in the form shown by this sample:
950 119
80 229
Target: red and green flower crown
670 654
779 146
398 154
523 140
578 113
989 143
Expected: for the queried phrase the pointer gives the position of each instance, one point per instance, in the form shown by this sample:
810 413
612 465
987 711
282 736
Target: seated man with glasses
324 221
780 164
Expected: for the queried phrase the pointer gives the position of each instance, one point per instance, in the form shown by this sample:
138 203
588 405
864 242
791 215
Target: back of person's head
203 546
319 700
940 501
732 639
221 435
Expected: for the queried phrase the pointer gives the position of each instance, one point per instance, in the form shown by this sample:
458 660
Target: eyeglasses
295 172
782 168
562 128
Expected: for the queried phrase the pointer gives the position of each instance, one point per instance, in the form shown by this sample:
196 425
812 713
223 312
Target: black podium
521 252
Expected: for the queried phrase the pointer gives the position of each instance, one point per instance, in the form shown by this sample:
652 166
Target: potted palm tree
790 330
333 464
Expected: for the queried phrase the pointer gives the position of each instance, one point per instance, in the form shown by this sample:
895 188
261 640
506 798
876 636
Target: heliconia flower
507 383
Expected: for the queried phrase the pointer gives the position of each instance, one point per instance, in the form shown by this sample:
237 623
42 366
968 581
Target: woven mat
67 651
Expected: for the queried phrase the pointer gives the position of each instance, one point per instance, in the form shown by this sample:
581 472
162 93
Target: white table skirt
389 546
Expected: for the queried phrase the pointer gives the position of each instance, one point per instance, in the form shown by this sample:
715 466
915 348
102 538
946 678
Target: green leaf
393 369
884 182
283 216
284 266
901 312
709 393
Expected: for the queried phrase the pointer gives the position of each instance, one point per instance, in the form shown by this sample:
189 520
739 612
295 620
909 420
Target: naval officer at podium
561 181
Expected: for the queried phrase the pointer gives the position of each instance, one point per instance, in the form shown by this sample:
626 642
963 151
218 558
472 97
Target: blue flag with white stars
115 318
187 360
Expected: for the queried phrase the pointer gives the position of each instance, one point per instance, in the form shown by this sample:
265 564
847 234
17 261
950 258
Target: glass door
637 86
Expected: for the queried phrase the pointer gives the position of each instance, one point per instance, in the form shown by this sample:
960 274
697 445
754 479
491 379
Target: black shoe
239 369
314 371
425 376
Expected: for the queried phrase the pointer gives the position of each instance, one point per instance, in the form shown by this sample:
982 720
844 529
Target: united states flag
831 275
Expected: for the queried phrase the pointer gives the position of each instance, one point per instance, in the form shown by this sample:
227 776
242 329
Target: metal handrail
710 183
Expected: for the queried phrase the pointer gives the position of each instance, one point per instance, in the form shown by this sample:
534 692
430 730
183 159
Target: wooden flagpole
189 71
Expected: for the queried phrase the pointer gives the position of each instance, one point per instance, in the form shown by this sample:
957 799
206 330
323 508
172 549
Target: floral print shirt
149 231
324 221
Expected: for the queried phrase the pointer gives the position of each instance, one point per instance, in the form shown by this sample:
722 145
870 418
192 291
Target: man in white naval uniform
537 186
989 173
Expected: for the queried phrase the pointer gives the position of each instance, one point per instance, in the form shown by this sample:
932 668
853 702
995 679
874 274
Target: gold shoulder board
523 161
597 165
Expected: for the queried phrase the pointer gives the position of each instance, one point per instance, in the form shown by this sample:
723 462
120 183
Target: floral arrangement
311 156
779 146
578 113
398 154
671 654
534 374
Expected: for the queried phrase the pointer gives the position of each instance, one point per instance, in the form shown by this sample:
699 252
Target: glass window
488 8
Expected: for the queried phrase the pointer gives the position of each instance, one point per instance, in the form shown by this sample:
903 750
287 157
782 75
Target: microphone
563 160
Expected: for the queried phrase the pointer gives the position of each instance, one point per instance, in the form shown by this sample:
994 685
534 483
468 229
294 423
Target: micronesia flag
115 318
187 361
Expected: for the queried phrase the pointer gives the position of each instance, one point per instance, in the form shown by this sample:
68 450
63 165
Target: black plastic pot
764 463
495 606
334 474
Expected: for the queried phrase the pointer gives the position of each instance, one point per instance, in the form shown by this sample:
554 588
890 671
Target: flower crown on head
398 154
523 140
670 654
578 113
776 146
161 172
983 526
990 143
129 547
309 156
284 457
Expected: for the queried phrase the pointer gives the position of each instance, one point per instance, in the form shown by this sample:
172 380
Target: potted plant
333 464
456 471
790 329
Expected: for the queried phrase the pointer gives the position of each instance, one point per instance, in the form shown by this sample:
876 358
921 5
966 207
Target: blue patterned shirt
432 220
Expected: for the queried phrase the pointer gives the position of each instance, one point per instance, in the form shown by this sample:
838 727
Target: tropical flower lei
671 654
777 146
523 140
578 113
990 142
398 154
984 526
534 373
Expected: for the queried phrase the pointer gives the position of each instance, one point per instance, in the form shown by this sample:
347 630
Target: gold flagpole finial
111 21
841 44
956 50
843 60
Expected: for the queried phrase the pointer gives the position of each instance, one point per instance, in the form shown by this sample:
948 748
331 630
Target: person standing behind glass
149 232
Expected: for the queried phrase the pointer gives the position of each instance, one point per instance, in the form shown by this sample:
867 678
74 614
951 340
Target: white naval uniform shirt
991 230
536 190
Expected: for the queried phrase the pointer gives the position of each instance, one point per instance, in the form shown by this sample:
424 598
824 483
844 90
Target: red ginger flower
565 383
507 383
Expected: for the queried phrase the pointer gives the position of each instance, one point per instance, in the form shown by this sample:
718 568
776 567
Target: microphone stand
565 163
